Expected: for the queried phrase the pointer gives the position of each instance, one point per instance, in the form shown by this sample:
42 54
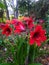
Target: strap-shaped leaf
35 64
7 64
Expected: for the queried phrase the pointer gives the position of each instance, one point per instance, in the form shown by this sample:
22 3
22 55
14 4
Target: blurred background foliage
25 8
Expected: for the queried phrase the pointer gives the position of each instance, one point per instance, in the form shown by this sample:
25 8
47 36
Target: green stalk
34 50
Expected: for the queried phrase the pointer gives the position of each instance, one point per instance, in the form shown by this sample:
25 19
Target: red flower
15 21
8 21
19 28
37 36
2 25
29 22
6 30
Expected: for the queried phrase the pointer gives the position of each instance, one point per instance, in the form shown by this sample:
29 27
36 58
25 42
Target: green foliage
21 51
35 64
15 64
39 8
47 25
2 6
26 6
7 64
0 41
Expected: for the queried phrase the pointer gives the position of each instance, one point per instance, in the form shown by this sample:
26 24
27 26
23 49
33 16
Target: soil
44 59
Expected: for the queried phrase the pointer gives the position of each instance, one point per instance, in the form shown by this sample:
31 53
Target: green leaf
21 50
7 64
0 41
35 64
2 5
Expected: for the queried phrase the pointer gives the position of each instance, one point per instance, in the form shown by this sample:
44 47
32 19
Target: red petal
31 41
38 43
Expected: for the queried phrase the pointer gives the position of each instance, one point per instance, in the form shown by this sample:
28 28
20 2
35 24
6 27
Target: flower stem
34 53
